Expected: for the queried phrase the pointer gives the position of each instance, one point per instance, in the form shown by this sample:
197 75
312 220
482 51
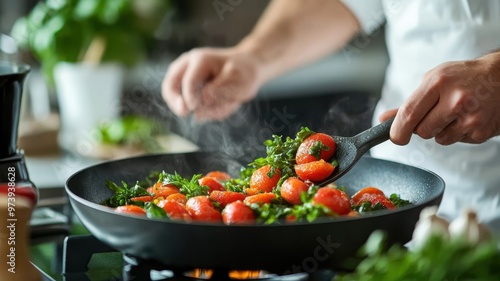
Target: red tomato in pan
314 171
376 198
130 209
367 190
212 183
315 147
291 189
261 181
177 197
174 210
160 190
238 213
334 199
251 191
200 208
226 197
219 175
145 198
261 198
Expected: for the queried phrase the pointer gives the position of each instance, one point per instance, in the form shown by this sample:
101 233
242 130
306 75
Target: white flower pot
87 95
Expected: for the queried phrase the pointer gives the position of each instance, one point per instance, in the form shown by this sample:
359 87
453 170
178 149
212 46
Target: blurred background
335 95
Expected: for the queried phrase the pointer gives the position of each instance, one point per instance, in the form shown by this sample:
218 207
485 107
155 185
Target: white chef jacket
420 35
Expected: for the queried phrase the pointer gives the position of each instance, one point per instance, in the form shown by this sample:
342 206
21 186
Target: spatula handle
373 136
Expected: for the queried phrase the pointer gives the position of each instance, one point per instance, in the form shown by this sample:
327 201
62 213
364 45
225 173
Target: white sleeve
370 13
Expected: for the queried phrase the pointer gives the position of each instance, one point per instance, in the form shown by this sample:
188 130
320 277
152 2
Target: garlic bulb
468 228
429 224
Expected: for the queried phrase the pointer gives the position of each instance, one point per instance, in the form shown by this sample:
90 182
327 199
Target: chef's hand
456 102
210 83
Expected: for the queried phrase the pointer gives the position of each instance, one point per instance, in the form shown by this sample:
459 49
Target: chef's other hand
456 102
210 83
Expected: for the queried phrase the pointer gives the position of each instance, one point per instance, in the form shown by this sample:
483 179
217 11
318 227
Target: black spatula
351 149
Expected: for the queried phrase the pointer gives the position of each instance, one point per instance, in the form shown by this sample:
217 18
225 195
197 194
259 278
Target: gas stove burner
78 250
166 275
139 269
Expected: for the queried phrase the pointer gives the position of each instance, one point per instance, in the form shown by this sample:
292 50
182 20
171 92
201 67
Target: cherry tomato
261 181
291 218
177 197
315 147
219 175
367 190
226 197
160 190
291 189
174 210
237 213
261 198
353 214
251 191
212 183
130 209
334 199
314 171
201 209
376 198
145 198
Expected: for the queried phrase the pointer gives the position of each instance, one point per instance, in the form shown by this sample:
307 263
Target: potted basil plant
83 47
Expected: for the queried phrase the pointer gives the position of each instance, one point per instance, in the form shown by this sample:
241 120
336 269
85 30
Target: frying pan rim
320 220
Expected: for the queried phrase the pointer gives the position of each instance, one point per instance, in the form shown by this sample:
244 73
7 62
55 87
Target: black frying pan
277 248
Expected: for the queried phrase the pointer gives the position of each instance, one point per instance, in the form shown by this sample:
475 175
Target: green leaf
188 187
57 4
131 130
397 201
86 8
316 148
114 187
44 37
111 10
439 259
154 212
123 194
281 154
21 33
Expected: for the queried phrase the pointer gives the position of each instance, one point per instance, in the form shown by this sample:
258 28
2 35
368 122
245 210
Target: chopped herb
239 184
316 148
397 201
270 213
367 206
310 211
281 154
123 194
190 188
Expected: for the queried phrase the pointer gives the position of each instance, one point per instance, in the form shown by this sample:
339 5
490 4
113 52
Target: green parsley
123 194
188 187
439 259
316 148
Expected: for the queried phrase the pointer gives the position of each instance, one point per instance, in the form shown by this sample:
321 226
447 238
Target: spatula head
346 155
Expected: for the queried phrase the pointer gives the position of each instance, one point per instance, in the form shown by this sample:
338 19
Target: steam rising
242 135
